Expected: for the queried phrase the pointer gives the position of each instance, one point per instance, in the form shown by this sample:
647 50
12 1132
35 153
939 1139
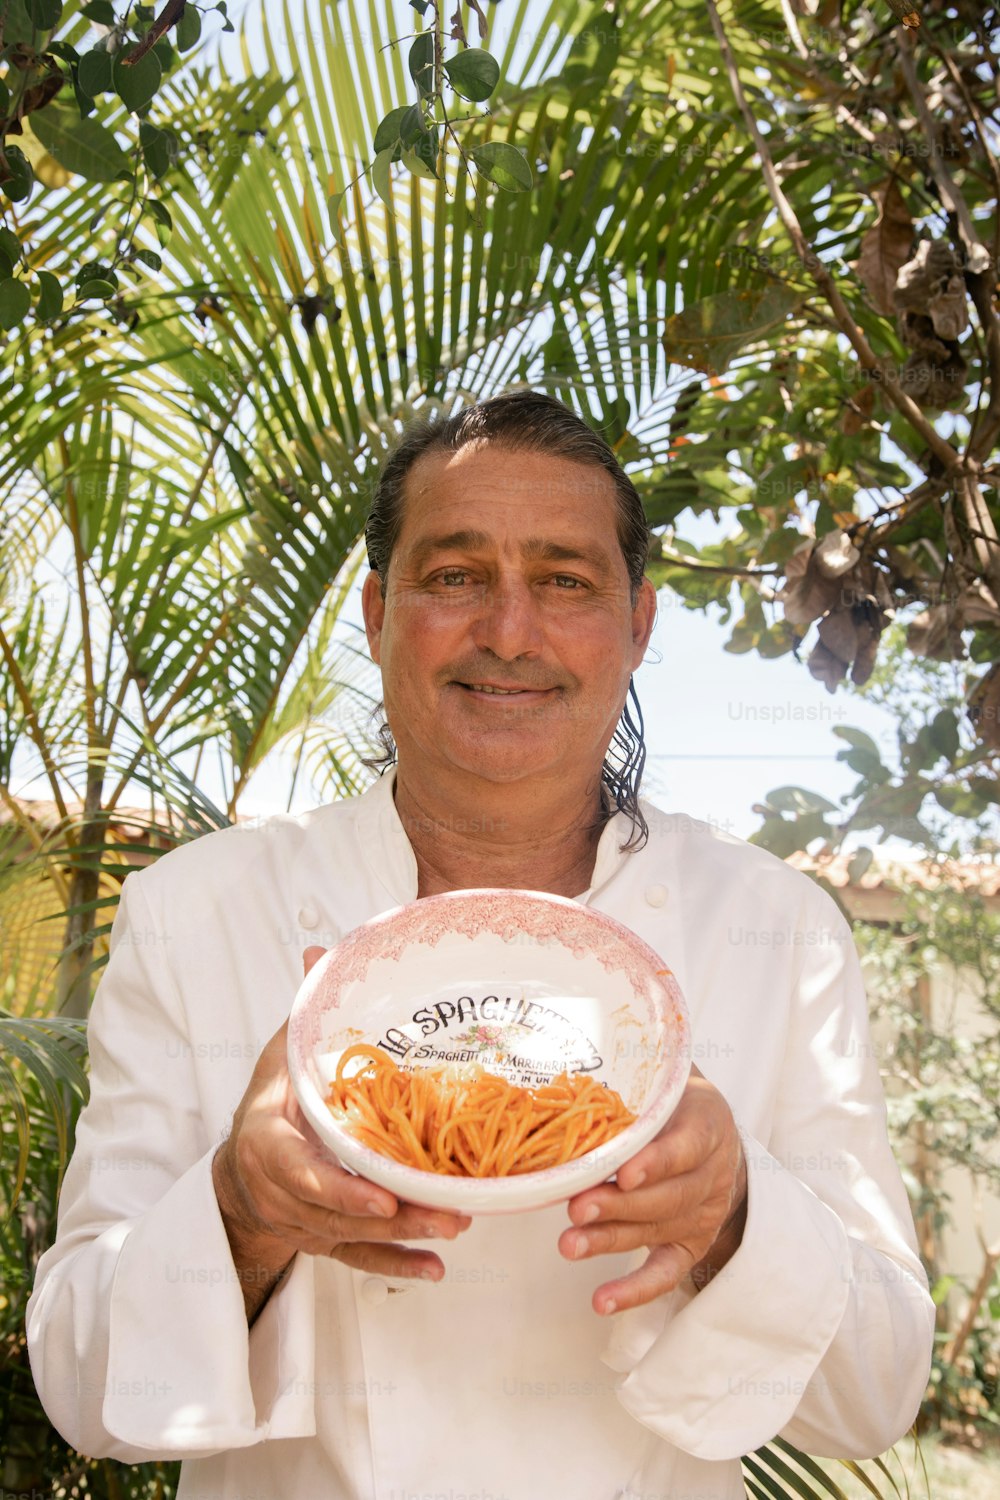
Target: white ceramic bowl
525 983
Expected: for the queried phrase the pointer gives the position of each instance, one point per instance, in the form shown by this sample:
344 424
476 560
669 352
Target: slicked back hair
529 422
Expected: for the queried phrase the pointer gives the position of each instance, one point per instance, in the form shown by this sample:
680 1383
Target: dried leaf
835 555
808 598
840 635
484 25
984 708
937 633
709 333
907 12
930 289
885 247
935 383
858 410
826 667
864 662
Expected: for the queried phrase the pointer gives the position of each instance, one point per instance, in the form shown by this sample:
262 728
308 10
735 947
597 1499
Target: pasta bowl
526 984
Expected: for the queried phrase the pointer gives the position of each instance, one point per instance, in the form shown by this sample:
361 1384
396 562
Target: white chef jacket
499 1383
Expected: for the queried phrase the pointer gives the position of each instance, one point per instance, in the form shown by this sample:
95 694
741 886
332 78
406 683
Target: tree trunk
73 981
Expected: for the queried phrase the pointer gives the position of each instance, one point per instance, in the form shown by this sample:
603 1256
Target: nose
508 622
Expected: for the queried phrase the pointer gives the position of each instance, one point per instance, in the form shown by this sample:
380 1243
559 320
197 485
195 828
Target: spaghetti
469 1123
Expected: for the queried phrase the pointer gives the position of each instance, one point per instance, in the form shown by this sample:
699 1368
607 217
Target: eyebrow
533 549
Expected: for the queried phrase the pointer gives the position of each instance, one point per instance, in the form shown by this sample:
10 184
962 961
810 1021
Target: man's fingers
675 1197
390 1260
309 1223
311 956
693 1134
664 1269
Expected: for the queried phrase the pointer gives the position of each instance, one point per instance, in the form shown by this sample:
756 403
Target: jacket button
309 918
656 895
374 1291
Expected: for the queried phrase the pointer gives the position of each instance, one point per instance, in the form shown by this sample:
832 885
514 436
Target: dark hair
526 421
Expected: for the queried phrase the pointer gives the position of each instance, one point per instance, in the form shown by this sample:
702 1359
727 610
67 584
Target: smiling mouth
490 689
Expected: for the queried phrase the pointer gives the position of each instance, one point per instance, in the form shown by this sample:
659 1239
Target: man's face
507 575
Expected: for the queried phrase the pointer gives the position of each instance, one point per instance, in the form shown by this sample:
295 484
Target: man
256 1309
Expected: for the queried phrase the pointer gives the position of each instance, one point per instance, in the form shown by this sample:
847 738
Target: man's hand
279 1193
683 1196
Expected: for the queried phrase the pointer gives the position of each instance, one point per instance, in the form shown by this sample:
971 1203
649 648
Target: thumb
311 956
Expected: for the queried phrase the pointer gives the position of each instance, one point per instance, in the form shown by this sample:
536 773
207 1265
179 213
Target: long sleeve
136 1327
820 1327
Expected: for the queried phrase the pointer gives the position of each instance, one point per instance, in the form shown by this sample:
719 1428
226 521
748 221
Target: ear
643 620
373 606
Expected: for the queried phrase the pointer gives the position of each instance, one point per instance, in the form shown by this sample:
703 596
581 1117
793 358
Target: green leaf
421 63
593 54
380 177
711 332
6 266
941 1288
10 244
44 14
944 734
239 468
422 158
158 149
333 203
101 11
15 300
4 99
94 72
149 258
95 271
857 739
473 73
85 147
411 126
859 863
413 163
795 799
164 50
160 214
18 25
387 135
503 164
84 102
50 297
136 86
97 289
19 177
188 31
960 801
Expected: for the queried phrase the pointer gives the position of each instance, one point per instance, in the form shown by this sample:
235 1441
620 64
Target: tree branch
983 534
977 255
942 450
33 726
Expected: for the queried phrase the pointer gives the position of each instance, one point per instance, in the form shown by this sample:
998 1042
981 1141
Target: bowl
525 983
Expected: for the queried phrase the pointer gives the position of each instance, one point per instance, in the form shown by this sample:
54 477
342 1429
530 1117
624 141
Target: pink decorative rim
510 915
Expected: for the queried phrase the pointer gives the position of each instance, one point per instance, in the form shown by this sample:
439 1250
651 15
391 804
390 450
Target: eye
452 577
567 581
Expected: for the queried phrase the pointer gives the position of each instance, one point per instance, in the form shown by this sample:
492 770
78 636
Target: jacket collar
391 856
